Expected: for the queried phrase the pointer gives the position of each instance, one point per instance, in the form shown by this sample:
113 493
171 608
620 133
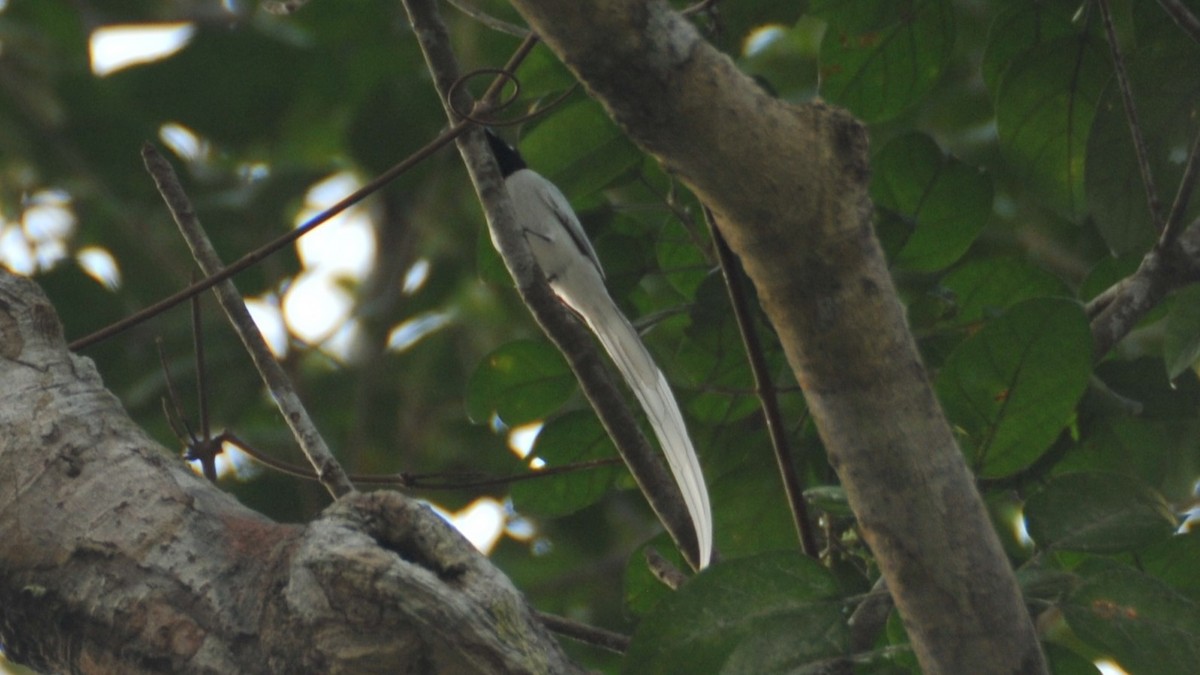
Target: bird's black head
507 157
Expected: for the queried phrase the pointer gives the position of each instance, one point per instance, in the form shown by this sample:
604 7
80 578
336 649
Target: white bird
566 257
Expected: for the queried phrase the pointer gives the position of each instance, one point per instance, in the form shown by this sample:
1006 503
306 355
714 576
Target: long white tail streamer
570 264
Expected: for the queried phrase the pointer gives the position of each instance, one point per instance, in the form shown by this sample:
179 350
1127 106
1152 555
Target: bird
570 265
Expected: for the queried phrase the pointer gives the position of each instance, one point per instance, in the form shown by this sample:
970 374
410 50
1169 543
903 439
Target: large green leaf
984 287
521 382
751 508
1045 105
1012 387
580 149
1168 105
1145 625
732 619
571 438
1097 512
1018 27
1181 344
1066 662
879 71
1175 561
946 201
1162 453
680 258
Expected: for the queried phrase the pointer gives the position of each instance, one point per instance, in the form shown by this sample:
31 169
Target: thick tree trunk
788 185
115 558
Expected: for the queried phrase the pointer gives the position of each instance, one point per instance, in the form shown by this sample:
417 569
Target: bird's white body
566 257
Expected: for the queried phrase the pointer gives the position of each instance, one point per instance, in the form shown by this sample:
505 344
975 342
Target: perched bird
566 257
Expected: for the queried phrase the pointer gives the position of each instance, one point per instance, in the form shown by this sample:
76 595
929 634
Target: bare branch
1124 305
487 19
606 639
331 474
119 561
560 326
765 388
1183 16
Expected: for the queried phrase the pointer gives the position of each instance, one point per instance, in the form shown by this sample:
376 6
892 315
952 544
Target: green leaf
521 382
788 60
1098 513
1018 28
730 619
1013 386
1066 662
1044 110
751 508
1166 99
738 20
984 287
879 71
715 355
543 74
579 149
947 201
862 16
1140 621
574 437
681 261
1175 561
1161 453
1181 344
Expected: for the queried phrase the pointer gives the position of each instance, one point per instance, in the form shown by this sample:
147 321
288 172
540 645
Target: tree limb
117 558
788 186
567 333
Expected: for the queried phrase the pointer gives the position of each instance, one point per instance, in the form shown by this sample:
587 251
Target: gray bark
788 184
117 558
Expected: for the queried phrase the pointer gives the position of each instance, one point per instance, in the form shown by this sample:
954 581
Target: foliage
1007 196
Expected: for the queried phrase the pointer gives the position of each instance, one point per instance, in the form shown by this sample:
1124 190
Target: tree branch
117 558
765 389
571 338
327 468
1182 16
1116 311
788 186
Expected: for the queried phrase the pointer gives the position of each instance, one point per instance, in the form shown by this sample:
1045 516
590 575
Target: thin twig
416 481
330 472
487 19
556 321
1182 16
662 569
1135 128
203 449
1183 197
765 387
576 630
171 406
201 368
